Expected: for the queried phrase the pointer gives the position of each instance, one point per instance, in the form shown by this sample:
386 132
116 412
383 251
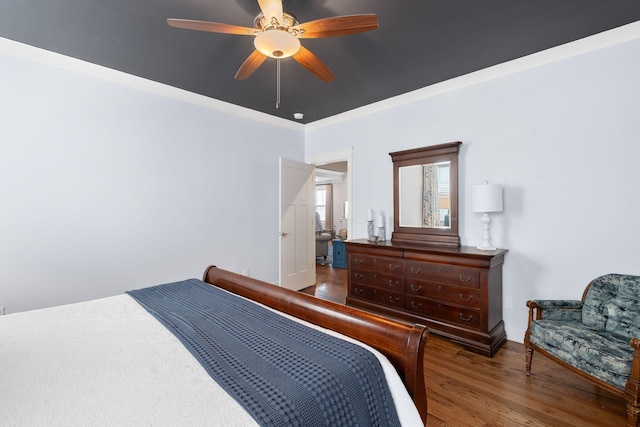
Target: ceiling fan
277 35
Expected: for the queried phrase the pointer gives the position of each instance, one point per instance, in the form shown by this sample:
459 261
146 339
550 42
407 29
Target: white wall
564 141
105 188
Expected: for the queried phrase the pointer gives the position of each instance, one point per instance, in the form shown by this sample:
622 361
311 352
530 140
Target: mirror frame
419 156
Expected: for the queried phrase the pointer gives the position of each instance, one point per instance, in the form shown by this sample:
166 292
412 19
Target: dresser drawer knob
358 290
416 271
414 305
467 318
394 300
358 275
465 278
358 260
467 298
393 283
415 288
394 267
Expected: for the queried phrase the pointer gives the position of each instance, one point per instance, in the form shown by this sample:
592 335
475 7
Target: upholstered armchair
322 239
322 245
597 337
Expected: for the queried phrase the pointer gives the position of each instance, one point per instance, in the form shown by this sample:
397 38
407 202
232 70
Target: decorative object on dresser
486 198
370 228
423 274
382 234
455 291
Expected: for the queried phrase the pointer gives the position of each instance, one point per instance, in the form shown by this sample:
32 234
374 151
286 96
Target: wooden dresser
455 291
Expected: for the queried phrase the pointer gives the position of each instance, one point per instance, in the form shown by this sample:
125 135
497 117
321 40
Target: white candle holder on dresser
370 228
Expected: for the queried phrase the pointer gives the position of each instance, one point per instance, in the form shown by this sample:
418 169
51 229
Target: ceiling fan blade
271 9
338 26
312 63
213 27
250 65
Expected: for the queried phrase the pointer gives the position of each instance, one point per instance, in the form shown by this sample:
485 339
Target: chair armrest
559 303
555 310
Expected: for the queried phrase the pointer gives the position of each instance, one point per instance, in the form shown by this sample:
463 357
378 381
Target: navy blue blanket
283 373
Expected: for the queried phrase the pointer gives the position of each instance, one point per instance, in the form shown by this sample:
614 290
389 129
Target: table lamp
486 198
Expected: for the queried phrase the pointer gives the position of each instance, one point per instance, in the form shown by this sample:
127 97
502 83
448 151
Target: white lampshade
486 198
277 44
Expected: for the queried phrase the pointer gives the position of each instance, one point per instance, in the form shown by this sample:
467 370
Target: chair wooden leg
632 416
528 352
632 388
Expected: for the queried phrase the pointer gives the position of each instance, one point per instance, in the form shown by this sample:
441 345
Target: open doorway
331 210
333 200
332 204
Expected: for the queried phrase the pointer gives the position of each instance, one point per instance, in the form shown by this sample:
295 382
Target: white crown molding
588 44
602 40
342 155
326 176
74 65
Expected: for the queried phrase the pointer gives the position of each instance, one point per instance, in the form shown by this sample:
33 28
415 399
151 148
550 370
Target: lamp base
486 247
486 239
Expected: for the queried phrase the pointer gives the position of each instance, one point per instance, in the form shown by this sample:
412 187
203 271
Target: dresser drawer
457 292
441 273
461 295
466 317
380 264
377 295
382 280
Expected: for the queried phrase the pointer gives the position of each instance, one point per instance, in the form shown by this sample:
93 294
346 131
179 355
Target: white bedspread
108 362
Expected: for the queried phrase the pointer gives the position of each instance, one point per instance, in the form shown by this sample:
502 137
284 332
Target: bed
111 361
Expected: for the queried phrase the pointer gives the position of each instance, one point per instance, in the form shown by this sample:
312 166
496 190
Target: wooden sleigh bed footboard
401 342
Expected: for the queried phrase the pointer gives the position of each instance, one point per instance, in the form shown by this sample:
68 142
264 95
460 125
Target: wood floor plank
467 389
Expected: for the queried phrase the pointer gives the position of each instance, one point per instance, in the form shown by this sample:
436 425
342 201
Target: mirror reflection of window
436 199
444 198
430 208
425 195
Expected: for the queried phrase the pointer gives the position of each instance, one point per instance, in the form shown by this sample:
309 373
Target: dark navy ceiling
418 43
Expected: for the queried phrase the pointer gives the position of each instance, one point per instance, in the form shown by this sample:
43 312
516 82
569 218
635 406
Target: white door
297 225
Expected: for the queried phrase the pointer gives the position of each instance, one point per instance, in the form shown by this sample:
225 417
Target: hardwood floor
466 389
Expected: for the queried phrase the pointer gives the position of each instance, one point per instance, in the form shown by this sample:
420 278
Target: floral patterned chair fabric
597 337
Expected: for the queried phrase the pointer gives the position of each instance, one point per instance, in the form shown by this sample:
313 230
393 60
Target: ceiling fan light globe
277 44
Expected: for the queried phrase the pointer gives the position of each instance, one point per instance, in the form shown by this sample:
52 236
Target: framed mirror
425 195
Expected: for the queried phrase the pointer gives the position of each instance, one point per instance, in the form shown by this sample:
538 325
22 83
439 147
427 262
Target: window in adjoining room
324 205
